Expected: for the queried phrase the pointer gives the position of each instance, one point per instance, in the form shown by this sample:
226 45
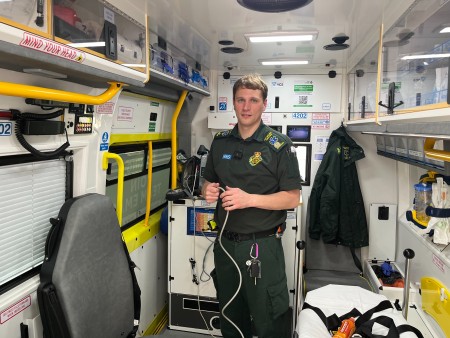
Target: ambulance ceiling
196 27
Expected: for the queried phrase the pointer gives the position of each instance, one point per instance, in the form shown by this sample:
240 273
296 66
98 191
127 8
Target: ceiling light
282 62
88 44
425 56
134 65
445 30
279 36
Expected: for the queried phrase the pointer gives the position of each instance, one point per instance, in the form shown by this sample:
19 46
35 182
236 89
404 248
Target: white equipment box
191 261
382 239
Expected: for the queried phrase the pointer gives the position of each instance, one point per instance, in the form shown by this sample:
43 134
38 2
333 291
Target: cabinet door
416 51
30 15
362 86
102 29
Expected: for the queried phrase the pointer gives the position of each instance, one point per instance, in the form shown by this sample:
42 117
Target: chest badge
255 159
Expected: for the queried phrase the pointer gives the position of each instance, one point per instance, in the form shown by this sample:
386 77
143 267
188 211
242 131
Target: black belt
238 237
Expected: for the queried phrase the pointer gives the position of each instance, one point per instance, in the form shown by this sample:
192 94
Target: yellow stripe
159 323
138 234
149 182
138 138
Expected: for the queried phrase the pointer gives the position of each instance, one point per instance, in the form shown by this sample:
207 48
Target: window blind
30 194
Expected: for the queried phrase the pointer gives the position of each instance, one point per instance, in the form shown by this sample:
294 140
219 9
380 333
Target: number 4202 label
5 128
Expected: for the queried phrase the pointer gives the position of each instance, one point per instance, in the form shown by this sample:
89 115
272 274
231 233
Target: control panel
79 118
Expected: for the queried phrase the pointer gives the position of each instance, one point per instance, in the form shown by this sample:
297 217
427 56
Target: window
135 158
30 194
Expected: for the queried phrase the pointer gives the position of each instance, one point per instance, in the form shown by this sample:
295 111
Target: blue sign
105 137
5 128
299 115
222 106
103 146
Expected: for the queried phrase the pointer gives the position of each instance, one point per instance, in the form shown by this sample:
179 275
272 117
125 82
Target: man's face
249 106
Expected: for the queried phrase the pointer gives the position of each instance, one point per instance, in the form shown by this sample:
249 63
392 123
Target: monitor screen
299 133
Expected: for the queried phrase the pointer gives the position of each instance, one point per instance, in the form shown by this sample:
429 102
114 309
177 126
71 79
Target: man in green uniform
253 170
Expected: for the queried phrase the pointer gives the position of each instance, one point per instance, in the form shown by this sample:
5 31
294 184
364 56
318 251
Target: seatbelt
365 330
136 293
332 322
356 259
364 324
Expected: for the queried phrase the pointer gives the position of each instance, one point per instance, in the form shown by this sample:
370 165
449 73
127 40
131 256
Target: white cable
238 270
196 273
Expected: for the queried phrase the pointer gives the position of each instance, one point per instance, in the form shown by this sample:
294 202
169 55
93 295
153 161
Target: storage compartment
101 28
391 286
380 269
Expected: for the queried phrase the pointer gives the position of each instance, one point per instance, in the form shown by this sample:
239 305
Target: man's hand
211 192
235 198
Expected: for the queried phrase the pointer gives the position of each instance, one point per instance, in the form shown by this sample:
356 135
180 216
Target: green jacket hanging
336 207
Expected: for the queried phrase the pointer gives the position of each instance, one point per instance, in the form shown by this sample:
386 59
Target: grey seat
331 264
89 273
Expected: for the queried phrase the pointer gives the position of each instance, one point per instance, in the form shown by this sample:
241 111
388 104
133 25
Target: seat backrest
88 272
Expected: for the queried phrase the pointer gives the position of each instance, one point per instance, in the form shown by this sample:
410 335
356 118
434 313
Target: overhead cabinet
61 38
411 73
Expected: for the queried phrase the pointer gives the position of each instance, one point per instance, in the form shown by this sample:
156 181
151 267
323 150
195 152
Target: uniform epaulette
277 141
223 133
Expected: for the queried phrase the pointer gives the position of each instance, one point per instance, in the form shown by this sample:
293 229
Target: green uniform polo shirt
265 163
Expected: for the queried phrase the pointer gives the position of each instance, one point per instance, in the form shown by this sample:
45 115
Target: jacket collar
258 135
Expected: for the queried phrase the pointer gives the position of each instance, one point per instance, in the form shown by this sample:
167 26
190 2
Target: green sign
303 88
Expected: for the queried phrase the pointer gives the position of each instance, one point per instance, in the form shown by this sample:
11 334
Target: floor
179 334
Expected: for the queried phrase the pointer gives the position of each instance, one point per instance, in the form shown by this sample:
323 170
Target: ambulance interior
123 99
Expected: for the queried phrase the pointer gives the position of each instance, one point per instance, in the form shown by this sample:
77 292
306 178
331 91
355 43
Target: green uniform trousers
266 303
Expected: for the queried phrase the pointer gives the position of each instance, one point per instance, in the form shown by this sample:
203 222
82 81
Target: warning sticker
51 47
106 108
320 121
15 309
125 114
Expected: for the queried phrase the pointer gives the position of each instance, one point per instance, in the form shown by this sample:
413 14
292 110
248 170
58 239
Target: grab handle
120 178
409 254
33 92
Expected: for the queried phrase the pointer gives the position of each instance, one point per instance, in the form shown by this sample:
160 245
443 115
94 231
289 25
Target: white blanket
340 299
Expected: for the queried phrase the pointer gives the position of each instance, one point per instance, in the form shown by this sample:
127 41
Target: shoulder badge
223 133
277 141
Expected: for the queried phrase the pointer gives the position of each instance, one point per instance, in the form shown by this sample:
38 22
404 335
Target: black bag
88 286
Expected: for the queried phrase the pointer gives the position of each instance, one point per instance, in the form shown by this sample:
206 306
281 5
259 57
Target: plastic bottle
422 199
346 329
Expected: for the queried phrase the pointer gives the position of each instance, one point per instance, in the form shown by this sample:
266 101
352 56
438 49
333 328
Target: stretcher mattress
340 299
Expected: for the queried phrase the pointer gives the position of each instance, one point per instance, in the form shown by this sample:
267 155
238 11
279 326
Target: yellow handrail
33 92
436 154
149 182
120 178
174 137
